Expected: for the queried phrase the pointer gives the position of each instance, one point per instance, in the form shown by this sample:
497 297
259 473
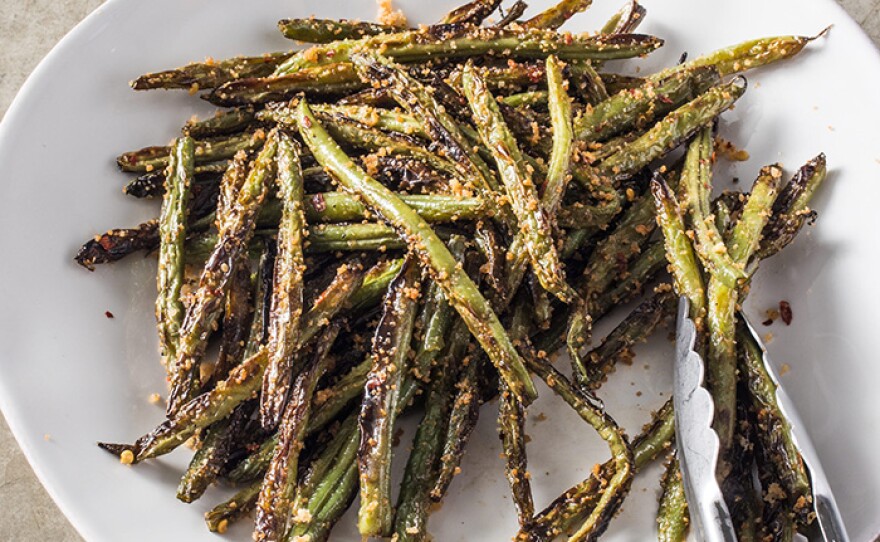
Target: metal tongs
698 445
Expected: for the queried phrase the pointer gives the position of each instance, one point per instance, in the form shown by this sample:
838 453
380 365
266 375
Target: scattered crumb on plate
390 16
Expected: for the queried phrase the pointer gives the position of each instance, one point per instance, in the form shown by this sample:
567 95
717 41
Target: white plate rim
27 442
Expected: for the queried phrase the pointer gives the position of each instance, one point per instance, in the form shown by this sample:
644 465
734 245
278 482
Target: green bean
460 291
741 491
331 495
555 16
563 513
322 238
221 516
508 76
723 217
467 42
328 403
526 99
588 82
594 155
150 185
236 227
226 122
462 421
656 438
375 283
374 97
645 267
616 479
371 139
287 298
722 300
777 520
558 171
674 128
279 484
696 181
465 411
411 520
439 125
342 207
650 262
342 443
357 125
391 120
672 517
624 243
511 426
634 108
336 78
435 321
314 30
777 523
381 396
244 381
586 217
541 304
212 456
746 235
635 328
514 12
791 209
172 233
531 215
353 237
206 151
344 492
626 20
772 428
239 314
211 73
685 271
254 465
747 55
471 13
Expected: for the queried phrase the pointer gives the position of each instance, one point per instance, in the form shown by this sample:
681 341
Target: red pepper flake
109 314
785 312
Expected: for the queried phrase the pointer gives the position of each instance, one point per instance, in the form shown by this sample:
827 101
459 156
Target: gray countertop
28 29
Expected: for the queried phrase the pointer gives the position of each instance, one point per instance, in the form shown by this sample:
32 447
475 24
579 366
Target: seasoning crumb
47 437
774 493
784 369
768 338
729 151
302 515
222 526
540 417
109 314
390 16
126 457
155 398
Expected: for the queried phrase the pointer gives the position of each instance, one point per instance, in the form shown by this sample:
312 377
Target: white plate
69 376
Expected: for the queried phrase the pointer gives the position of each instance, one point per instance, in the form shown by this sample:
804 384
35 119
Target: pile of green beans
385 221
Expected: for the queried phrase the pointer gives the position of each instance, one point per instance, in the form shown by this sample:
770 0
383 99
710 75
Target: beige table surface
28 30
